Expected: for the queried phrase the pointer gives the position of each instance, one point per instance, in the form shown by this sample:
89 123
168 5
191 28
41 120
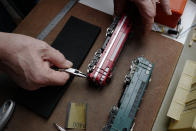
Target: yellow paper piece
77 115
183 107
191 97
183 89
186 123
190 68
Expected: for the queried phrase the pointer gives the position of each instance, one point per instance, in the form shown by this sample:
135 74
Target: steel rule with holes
56 19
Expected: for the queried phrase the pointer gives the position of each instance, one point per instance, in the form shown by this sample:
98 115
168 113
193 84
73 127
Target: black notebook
74 41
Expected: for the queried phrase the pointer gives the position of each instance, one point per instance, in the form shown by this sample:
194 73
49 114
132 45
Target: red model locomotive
100 68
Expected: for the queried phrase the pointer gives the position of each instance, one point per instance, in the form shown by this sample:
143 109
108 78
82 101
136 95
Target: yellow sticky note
76 117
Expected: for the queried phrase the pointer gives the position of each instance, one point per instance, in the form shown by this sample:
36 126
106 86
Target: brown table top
163 52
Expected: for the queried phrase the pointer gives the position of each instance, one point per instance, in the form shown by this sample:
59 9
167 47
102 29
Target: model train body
122 116
99 69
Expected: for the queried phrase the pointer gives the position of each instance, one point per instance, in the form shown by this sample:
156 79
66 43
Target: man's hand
146 8
28 60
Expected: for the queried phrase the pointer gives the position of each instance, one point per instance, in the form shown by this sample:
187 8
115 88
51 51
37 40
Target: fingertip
147 28
59 78
119 7
33 88
166 6
148 22
57 59
66 76
117 11
68 64
169 12
62 81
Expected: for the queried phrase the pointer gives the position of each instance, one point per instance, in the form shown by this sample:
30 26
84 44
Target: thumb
119 6
57 59
148 12
166 6
57 78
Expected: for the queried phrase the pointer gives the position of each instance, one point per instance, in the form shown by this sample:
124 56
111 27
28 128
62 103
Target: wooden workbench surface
161 51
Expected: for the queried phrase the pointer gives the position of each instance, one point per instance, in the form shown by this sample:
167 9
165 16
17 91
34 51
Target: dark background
21 8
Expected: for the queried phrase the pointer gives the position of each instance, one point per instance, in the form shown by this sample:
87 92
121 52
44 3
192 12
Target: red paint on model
107 62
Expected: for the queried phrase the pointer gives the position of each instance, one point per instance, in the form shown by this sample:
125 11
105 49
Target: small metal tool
5 113
59 128
132 126
73 72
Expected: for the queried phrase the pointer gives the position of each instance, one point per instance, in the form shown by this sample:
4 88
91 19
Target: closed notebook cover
74 41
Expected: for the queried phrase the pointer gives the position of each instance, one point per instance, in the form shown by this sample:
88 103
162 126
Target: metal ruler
56 19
